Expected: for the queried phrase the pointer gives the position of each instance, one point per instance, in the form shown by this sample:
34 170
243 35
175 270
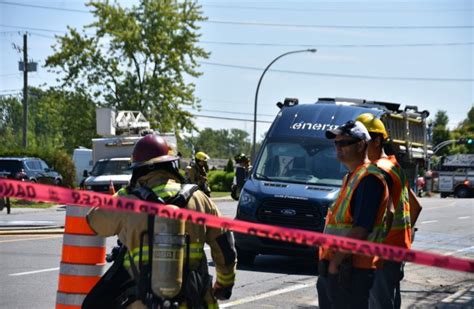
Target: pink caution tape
38 192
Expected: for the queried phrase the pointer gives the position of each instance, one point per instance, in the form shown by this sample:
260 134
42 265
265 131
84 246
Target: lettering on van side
313 126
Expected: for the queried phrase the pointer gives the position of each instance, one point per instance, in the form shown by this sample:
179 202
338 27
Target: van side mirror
85 173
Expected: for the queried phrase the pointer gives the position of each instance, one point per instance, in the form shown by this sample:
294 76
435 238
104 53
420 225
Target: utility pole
25 89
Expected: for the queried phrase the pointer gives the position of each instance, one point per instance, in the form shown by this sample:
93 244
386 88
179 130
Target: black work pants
333 294
385 292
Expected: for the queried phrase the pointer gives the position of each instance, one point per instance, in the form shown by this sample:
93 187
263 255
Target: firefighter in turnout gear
196 172
242 170
359 212
162 263
385 292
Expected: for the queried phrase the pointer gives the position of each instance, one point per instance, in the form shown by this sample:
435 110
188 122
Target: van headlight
247 200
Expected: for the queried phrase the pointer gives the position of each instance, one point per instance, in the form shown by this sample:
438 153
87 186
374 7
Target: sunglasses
345 143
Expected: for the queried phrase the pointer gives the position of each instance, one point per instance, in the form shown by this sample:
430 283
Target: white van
82 158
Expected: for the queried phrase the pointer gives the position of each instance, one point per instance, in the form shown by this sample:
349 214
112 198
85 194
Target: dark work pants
354 294
385 292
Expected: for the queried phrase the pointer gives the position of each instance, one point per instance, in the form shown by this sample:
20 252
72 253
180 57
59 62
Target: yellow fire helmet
373 124
201 156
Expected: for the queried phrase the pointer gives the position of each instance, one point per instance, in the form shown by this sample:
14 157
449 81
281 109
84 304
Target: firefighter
242 169
167 278
385 292
359 212
196 172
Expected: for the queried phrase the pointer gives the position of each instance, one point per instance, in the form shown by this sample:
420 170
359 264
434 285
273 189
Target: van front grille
299 214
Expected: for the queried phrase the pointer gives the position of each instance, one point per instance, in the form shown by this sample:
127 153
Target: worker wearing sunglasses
359 212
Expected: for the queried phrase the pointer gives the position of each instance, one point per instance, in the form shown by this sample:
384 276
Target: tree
56 120
220 143
11 120
440 131
465 130
137 59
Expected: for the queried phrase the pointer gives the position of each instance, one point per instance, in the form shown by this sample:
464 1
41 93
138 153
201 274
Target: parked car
29 169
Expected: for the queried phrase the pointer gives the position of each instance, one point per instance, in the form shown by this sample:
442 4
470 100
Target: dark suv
29 169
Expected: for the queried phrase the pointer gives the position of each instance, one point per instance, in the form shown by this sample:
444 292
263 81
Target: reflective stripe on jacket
129 227
339 219
400 232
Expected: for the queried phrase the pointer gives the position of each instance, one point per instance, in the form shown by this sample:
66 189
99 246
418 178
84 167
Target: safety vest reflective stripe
135 254
225 280
121 192
339 219
340 209
167 190
348 191
196 251
400 232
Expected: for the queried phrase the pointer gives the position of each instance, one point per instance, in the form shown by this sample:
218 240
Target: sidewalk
33 220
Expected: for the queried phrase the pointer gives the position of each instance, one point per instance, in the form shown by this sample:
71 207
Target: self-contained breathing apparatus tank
168 256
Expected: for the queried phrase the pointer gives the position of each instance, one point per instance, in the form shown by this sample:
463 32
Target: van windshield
111 168
312 161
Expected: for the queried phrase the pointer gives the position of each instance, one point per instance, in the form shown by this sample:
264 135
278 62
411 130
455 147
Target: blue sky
409 52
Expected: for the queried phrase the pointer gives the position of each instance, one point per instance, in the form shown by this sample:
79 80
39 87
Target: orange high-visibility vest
339 220
400 232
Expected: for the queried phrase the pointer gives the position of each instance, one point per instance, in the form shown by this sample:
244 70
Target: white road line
430 221
462 218
268 294
439 207
34 272
455 296
460 250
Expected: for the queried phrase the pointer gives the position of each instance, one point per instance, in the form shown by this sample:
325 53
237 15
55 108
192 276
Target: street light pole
312 50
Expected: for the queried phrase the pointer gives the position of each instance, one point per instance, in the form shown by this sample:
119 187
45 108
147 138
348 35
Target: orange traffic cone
111 187
82 259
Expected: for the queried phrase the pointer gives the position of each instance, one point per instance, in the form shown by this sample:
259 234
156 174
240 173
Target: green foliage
229 166
56 159
465 130
222 143
56 120
220 180
137 59
440 131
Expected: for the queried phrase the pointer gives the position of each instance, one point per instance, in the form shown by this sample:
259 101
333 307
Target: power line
268 8
249 23
358 10
317 45
230 118
43 35
10 74
44 7
343 75
32 28
238 113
